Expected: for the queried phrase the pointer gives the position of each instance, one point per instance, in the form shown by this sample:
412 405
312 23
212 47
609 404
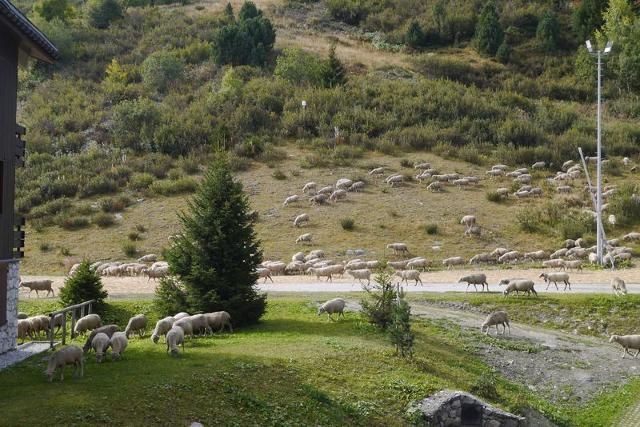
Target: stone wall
9 332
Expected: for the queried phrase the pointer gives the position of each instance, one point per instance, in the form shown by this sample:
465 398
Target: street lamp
599 54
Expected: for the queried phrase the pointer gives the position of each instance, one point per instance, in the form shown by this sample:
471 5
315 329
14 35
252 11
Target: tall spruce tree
489 34
333 72
548 31
84 285
216 255
588 17
414 36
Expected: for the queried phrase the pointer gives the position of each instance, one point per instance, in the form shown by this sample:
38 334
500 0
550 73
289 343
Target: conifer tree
84 285
415 36
333 72
489 34
548 31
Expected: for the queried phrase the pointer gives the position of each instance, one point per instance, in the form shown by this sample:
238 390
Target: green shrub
576 226
129 249
98 185
102 12
171 188
625 205
494 196
104 220
431 229
175 174
485 386
380 300
279 175
134 236
529 221
141 181
141 228
406 163
160 70
74 223
347 224
189 166
45 247
83 286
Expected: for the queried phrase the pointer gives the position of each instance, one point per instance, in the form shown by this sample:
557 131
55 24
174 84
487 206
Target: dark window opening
1 185
3 294
471 415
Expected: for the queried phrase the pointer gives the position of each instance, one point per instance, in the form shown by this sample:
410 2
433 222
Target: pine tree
503 54
588 17
548 31
333 72
381 298
400 330
84 285
216 255
415 36
228 11
489 34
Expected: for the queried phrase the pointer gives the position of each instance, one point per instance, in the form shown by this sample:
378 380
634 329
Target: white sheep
435 186
186 325
498 252
360 275
450 262
157 272
357 186
564 189
326 190
627 342
137 324
322 272
294 267
100 344
297 222
70 355
573 265
318 199
554 263
395 180
332 306
264 273
493 173
398 265
566 165
468 220
298 256
219 320
148 258
414 264
39 285
118 345
377 171
24 329
495 319
276 267
473 231
175 337
87 323
511 256
291 199
398 248
462 182
162 327
535 255
309 186
200 324
475 279
338 195
559 253
518 285
618 286
500 167
481 257
407 275
555 278
304 238
633 236
343 183
422 165
539 165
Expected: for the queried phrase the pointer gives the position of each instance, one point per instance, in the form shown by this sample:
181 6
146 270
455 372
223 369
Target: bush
400 329
74 223
64 251
348 224
103 219
279 175
160 70
485 387
171 188
406 163
141 181
83 286
129 249
299 67
625 205
45 247
102 12
134 236
98 185
378 305
495 197
141 228
431 229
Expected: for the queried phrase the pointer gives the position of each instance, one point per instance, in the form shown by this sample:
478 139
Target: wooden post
51 330
73 323
64 329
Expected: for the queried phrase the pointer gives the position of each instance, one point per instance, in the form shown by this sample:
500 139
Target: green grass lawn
292 369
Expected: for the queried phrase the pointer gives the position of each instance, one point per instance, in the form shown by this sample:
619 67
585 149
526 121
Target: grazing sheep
297 222
332 306
398 248
326 190
475 279
407 275
338 195
148 258
573 265
559 253
309 186
264 273
24 329
291 199
186 325
536 255
344 183
100 344
554 263
435 186
357 186
219 320
298 256
481 257
502 191
181 315
394 180
450 262
493 173
539 165
462 182
39 285
175 337
69 355
137 324
633 236
322 272
318 199
511 256
162 327
108 330
494 319
87 323
627 342
118 344
577 252
524 178
500 167
423 165
473 231
200 324
35 325
304 238
566 165
361 274
522 194
536 192
377 171
157 272
468 220
618 286
518 285
555 278
498 252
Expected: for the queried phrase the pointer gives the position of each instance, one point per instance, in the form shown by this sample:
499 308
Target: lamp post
599 54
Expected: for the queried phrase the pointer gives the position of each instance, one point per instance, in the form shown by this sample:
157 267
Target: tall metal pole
599 168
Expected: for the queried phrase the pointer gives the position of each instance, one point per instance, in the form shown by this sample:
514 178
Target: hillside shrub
98 185
160 70
172 188
83 286
129 249
625 205
380 300
74 223
101 13
400 331
141 181
347 224
103 220
431 229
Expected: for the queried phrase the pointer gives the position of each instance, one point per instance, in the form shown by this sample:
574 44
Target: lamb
536 255
475 279
618 286
518 285
407 275
219 320
435 186
338 195
361 274
175 337
573 265
118 344
200 324
186 325
264 273
39 285
309 186
87 323
69 355
318 199
344 183
554 263
100 344
481 257
297 222
555 278
450 262
108 330
304 238
291 199
494 319
509 256
627 342
137 324
332 306
162 327
468 220
398 248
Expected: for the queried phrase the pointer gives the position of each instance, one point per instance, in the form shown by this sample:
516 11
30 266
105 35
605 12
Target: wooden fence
83 309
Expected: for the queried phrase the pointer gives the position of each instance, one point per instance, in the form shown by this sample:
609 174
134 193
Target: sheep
494 319
39 285
475 279
35 325
297 222
513 174
525 188
186 325
450 262
481 257
559 253
494 173
200 324
304 238
318 199
566 165
536 192
276 267
462 182
157 272
87 323
573 265
522 194
500 167
137 324
498 252
377 171
360 274
518 285
293 267
69 355
291 199
108 330
175 337
524 178
100 344
309 186
321 272
326 190
577 252
473 231
423 165
344 183
407 275
316 253
264 273
395 179
555 278
539 165
625 256
24 329
298 256
618 286
338 195
554 263
435 186
564 189
633 236
180 315
509 256
148 258
398 264
627 342
332 306
536 255
356 186
162 327
468 220
118 344
219 320
502 191
398 248
414 264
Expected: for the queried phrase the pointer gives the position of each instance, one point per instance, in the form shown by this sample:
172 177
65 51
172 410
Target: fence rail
83 308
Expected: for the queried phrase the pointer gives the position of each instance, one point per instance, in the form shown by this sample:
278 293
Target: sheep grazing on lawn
333 306
200 324
291 199
175 337
297 222
618 286
495 319
475 279
304 238
536 255
162 327
181 315
108 330
186 325
24 329
398 248
518 285
468 220
264 273
136 324
627 342
100 344
39 285
309 187
118 344
407 275
219 320
70 355
555 278
377 171
87 323
339 194
318 199
481 257
435 186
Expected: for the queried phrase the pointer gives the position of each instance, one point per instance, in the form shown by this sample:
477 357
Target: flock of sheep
147 265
